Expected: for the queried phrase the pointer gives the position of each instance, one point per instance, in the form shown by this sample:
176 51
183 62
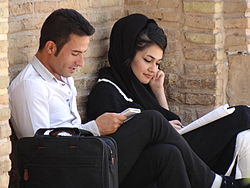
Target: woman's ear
50 47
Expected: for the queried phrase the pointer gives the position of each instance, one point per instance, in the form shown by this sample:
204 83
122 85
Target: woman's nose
153 68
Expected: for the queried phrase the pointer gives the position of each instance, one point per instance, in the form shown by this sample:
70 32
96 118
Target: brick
4 180
17 57
199 54
194 69
172 15
4 99
203 7
135 2
169 3
101 3
105 16
3 91
5 164
97 49
22 41
172 79
90 82
201 38
102 32
91 66
32 23
15 26
5 130
4 13
4 62
236 23
4 82
3 37
200 22
5 147
199 83
21 9
45 6
238 77
4 3
4 27
74 4
235 7
200 99
4 113
235 40
4 46
177 96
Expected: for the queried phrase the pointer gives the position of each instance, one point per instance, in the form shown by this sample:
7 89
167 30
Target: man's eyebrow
77 51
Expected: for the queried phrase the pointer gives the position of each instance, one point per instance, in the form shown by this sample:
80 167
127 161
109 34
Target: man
43 95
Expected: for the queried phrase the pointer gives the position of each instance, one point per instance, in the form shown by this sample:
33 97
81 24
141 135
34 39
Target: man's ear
50 47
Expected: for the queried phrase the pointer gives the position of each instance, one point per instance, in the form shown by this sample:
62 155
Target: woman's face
146 63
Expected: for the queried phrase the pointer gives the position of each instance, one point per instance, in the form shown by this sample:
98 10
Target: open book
215 114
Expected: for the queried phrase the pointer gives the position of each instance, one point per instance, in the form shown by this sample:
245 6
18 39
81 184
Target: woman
134 79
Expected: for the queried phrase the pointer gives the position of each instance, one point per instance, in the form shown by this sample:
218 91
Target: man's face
70 56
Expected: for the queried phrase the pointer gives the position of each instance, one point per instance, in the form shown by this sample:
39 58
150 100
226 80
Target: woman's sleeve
104 97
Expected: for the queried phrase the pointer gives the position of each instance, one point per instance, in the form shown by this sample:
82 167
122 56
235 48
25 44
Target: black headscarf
121 51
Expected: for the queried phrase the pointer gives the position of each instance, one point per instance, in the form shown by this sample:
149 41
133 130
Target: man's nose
80 61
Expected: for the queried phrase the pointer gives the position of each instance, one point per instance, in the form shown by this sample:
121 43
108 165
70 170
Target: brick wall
206 61
25 20
204 36
5 131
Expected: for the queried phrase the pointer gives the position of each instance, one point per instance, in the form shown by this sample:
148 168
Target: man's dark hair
60 24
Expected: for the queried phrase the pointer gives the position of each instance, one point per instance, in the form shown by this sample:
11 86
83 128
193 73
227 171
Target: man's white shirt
39 100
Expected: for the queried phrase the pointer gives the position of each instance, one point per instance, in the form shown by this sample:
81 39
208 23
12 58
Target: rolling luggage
77 161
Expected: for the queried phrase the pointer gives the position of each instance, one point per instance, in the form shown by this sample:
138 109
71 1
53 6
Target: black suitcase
77 161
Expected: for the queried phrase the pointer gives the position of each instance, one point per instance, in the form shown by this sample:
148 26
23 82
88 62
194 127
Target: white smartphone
130 112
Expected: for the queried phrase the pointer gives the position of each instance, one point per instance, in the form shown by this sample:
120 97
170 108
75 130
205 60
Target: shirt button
63 84
67 100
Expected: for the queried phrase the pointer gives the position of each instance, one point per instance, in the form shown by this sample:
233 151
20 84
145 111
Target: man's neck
45 61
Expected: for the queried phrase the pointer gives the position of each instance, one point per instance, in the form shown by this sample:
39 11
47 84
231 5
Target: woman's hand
157 82
157 86
176 124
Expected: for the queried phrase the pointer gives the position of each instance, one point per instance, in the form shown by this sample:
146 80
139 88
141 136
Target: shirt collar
41 69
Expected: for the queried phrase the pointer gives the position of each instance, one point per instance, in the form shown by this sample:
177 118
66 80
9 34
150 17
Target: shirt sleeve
91 126
30 109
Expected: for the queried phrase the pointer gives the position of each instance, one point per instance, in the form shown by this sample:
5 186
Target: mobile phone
130 112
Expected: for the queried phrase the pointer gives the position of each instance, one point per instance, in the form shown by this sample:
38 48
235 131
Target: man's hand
108 123
176 124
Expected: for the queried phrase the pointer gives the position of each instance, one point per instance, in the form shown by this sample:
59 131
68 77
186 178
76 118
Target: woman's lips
149 76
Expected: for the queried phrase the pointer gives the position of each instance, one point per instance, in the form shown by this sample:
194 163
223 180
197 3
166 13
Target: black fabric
214 143
139 166
121 52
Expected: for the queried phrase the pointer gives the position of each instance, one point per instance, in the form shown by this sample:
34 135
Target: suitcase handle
55 131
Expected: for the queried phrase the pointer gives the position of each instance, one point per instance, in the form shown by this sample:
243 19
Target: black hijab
121 51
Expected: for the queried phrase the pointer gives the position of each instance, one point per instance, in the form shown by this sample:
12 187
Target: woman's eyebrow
153 57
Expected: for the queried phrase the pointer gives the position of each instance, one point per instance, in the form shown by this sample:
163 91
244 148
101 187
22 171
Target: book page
215 114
